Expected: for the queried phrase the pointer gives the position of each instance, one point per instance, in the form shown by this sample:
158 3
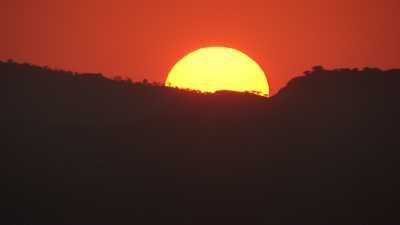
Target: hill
84 149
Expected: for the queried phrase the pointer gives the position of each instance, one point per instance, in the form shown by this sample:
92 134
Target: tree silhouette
318 68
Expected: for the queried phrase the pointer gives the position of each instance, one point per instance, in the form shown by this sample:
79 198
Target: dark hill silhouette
84 149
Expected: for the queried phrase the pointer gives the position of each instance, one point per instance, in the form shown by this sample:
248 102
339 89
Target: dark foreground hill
83 149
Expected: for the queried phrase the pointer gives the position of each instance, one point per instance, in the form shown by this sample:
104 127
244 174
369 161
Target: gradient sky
144 39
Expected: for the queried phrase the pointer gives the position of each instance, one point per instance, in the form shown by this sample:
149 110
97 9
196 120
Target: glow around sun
218 68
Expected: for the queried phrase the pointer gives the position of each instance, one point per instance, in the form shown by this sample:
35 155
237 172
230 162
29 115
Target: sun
218 68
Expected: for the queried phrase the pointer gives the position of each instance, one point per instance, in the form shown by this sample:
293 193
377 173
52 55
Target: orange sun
218 68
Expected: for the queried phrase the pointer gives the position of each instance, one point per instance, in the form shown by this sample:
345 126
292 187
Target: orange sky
143 39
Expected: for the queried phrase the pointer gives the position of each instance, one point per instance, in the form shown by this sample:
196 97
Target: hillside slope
83 149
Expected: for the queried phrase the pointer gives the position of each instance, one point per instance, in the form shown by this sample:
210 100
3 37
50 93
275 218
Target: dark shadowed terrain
80 149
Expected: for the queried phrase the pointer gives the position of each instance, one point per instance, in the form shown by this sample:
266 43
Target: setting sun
218 68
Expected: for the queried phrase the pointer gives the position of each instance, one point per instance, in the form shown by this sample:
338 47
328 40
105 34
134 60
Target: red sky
143 39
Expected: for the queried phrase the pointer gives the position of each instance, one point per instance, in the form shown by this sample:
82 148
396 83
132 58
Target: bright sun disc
218 68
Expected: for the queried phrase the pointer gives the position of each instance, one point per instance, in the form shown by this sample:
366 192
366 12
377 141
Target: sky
144 39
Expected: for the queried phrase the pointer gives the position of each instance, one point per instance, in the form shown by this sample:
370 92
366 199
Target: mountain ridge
90 150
